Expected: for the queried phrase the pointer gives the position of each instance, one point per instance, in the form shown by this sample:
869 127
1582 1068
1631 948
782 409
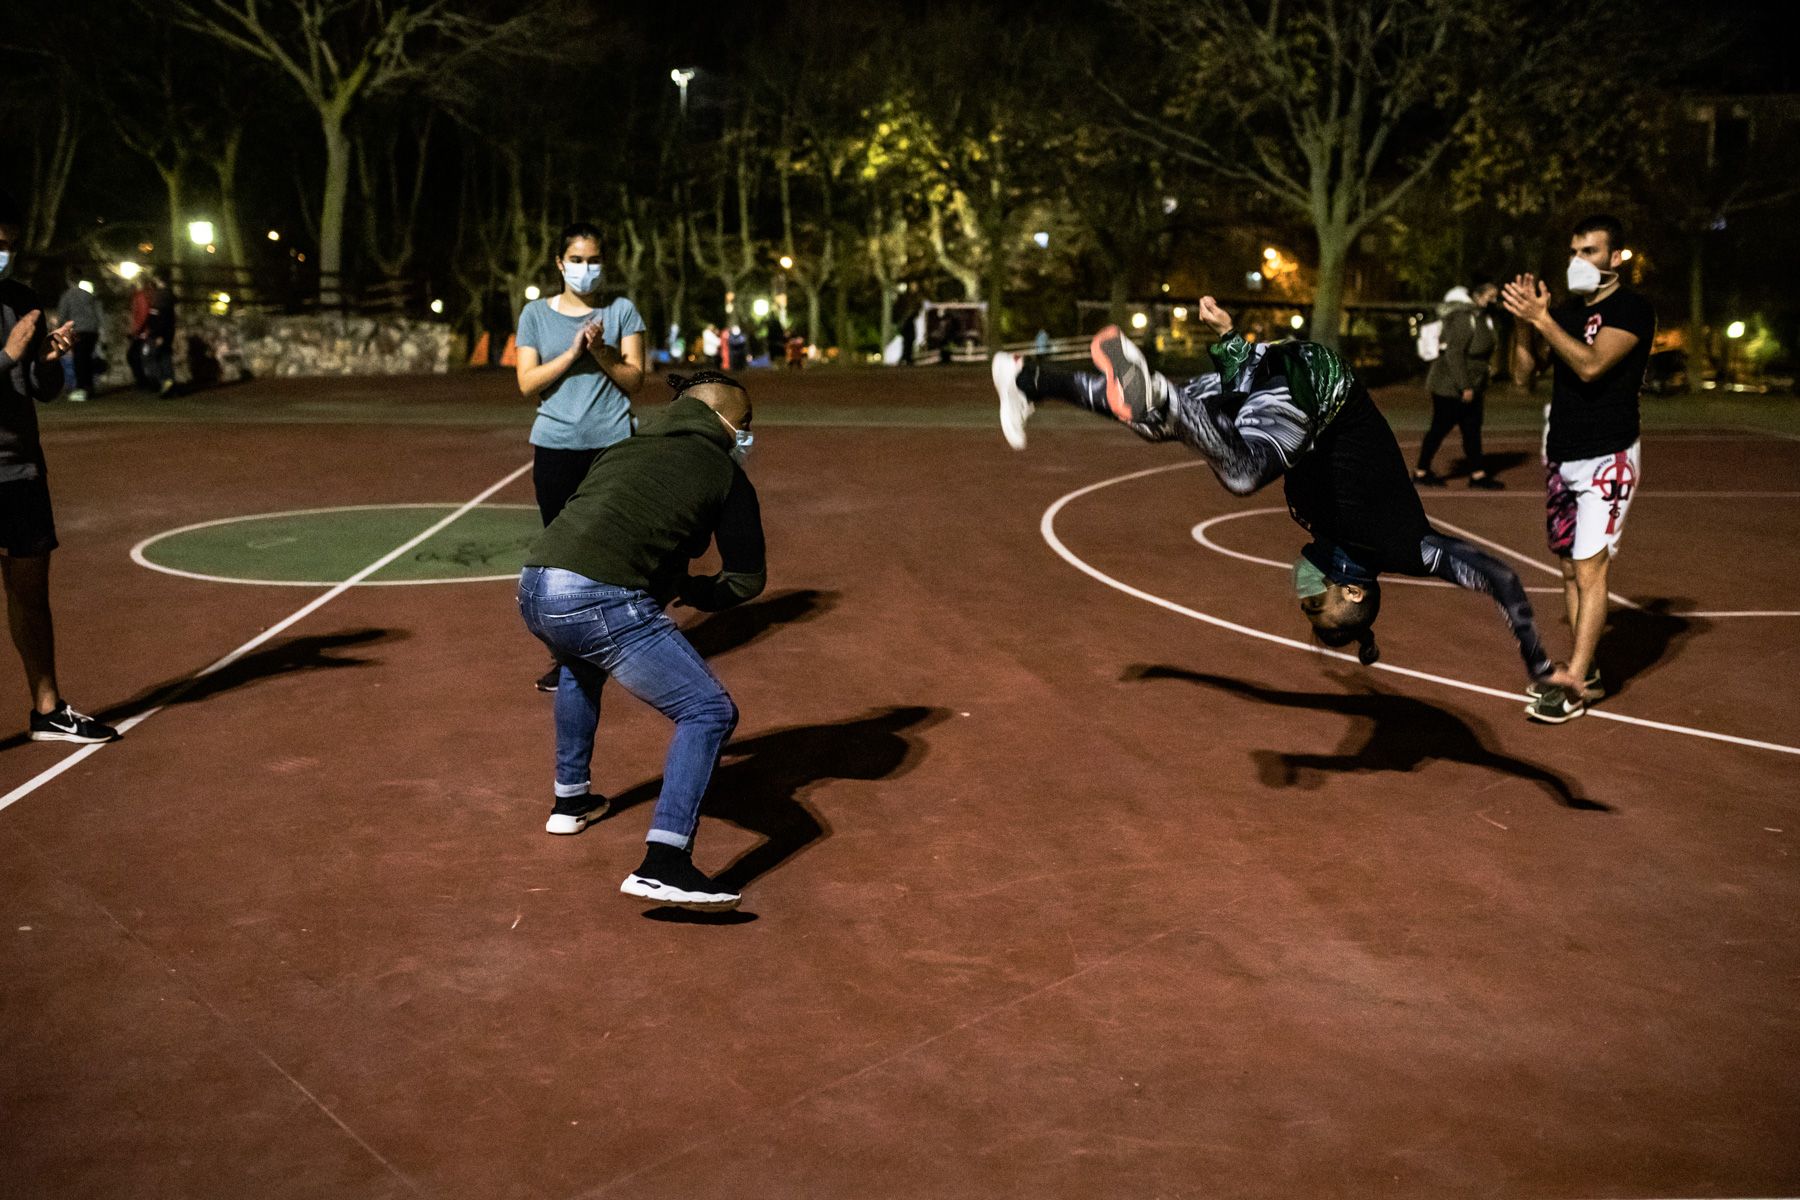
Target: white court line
312 606
1200 535
1047 528
1459 531
141 559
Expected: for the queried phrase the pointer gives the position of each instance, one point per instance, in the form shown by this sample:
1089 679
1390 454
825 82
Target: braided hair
682 383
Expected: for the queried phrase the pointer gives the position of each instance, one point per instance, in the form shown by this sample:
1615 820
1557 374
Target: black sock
1083 389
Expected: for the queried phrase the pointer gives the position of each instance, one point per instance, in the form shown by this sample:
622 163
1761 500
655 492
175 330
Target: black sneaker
1427 479
67 725
668 876
1486 483
572 814
1128 386
550 680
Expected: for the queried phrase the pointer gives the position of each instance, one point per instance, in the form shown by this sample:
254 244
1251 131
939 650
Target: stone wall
211 349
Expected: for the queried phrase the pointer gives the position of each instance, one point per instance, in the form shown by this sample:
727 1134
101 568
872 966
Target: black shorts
27 528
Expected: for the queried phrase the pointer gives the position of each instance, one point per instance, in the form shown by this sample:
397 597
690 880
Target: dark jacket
23 384
1465 349
656 500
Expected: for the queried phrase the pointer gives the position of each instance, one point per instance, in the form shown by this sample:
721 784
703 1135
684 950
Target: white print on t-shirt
1594 322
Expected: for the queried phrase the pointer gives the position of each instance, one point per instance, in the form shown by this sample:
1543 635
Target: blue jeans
597 630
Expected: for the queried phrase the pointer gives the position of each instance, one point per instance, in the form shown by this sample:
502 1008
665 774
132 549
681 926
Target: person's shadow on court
766 783
722 632
1389 732
315 652
1636 639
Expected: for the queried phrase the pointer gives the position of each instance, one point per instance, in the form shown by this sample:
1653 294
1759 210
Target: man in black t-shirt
1600 340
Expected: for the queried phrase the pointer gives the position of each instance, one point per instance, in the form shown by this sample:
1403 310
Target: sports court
1070 869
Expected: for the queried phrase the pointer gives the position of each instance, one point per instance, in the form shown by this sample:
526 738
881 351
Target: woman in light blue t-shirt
582 359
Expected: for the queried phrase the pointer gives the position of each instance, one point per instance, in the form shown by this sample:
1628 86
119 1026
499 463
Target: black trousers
555 474
1448 412
83 353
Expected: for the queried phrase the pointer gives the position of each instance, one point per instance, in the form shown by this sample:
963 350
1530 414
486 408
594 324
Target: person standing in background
1458 381
159 336
81 308
140 332
582 358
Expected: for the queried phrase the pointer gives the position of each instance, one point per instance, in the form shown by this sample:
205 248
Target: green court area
327 546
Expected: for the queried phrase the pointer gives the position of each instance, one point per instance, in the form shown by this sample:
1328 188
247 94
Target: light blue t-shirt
584 410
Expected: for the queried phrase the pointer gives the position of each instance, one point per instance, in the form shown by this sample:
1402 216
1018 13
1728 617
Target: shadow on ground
1636 639
722 632
765 784
1388 732
317 652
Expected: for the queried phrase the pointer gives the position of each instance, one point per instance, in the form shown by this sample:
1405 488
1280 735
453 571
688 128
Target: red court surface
1052 888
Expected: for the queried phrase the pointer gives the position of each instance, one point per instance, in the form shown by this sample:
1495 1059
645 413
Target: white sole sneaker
1015 409
566 823
44 735
661 893
1563 713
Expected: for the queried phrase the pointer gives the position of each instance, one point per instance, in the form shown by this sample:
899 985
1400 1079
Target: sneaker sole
661 893
568 823
1014 407
40 735
1534 713
1533 691
1108 352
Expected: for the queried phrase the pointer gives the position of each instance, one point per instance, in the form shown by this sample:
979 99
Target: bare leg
1590 618
28 614
1571 594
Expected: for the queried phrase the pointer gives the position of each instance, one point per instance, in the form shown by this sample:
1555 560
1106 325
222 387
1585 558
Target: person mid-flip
1294 411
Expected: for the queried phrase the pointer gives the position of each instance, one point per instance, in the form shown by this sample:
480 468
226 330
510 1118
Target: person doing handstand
1294 411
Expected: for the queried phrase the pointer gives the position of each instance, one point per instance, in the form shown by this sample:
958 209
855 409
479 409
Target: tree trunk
841 301
171 177
1328 300
331 211
1118 296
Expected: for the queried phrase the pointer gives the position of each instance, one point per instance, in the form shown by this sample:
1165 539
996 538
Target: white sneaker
576 813
1015 409
77 396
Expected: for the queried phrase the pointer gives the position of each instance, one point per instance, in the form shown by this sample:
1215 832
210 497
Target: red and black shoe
1128 379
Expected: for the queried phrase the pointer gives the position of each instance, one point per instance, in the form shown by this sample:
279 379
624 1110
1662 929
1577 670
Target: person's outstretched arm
743 572
1456 561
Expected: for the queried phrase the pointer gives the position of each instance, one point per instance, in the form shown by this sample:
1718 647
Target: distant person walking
31 370
80 308
140 332
159 336
1600 343
1458 381
582 358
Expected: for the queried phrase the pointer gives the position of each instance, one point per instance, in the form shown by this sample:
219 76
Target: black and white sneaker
1128 383
67 725
668 876
550 680
1015 409
572 814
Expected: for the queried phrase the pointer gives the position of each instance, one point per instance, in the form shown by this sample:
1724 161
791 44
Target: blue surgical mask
5 263
582 278
744 439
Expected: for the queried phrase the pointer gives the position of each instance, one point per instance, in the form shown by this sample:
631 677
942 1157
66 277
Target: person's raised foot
669 876
1427 478
1015 409
1128 387
572 814
549 680
64 724
1486 482
1554 706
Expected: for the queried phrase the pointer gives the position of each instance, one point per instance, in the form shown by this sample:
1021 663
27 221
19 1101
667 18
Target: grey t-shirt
584 410
81 307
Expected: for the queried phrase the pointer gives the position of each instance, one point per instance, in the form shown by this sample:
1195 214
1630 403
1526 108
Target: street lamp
682 77
1735 330
200 232
1139 320
787 262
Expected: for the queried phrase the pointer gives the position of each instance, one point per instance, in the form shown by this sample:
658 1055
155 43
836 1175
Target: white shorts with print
1586 501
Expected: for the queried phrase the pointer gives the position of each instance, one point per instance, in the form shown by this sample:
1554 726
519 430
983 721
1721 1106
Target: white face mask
5 263
582 278
1584 277
742 440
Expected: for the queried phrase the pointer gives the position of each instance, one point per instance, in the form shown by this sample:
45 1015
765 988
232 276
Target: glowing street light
682 77
274 235
129 270
787 262
1180 313
1042 238
1735 330
200 232
532 293
1296 321
1271 254
759 307
1624 256
1139 321
86 285
437 307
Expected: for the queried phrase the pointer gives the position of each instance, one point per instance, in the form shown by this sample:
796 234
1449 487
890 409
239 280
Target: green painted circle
329 546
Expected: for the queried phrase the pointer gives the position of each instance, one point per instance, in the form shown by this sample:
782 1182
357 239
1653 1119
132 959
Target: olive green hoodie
654 501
